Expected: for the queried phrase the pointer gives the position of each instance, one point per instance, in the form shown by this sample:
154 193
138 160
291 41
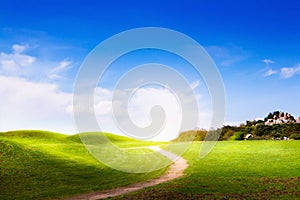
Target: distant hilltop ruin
278 117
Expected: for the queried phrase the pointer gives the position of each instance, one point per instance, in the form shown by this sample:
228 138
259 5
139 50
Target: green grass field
236 170
44 165
39 165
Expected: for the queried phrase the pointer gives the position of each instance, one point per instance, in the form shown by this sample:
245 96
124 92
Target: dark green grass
45 165
236 170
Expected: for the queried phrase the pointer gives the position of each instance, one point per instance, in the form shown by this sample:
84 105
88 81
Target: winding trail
176 170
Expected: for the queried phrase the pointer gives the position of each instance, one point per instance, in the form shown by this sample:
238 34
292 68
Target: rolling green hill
45 165
235 170
40 164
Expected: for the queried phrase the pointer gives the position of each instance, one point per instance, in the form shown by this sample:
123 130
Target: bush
295 136
237 136
191 135
228 135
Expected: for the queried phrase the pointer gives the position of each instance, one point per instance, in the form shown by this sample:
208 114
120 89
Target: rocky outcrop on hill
278 117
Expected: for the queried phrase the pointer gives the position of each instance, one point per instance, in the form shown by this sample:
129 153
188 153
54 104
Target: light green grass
44 165
236 170
39 165
120 158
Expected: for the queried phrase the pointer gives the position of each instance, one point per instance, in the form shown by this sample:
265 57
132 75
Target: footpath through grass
235 170
39 165
44 165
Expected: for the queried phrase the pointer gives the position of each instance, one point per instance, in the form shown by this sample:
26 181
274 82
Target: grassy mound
40 164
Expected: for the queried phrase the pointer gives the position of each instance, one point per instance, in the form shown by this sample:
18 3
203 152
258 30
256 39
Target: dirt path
175 171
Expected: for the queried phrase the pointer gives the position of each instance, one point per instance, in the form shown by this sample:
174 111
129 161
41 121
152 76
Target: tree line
262 131
252 130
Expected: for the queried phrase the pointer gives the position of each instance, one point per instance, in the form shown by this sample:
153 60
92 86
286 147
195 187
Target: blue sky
42 43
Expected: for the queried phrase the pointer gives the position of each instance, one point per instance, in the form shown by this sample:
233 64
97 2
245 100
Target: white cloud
284 72
103 102
195 84
60 68
54 76
14 63
9 65
29 99
30 105
288 72
144 99
19 64
267 70
270 72
138 110
19 48
268 61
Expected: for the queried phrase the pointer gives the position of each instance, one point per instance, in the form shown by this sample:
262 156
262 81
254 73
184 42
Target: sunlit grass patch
39 164
235 170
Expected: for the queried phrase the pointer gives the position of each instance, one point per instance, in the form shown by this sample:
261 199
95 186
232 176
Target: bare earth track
176 170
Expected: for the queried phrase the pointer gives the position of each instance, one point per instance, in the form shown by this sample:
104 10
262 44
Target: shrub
295 136
237 136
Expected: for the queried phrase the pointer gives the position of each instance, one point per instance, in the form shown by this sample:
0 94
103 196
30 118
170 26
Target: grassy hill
236 170
40 164
45 165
